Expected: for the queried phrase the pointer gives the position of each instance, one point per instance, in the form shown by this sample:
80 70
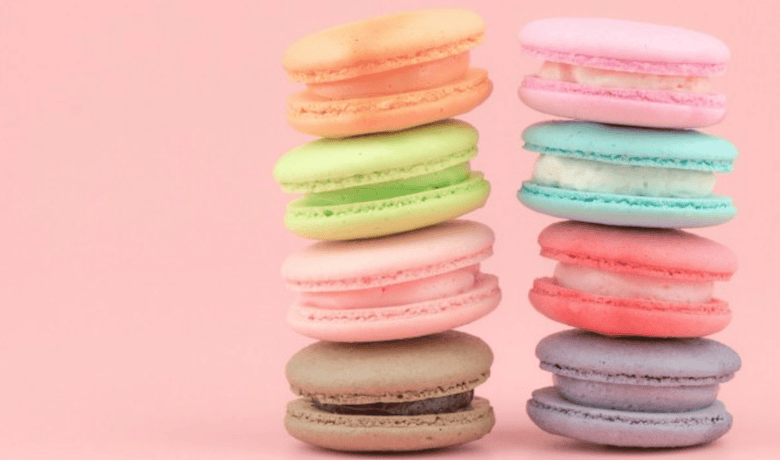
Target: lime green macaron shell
381 184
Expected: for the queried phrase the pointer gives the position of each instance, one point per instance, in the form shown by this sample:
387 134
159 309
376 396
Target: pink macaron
633 281
624 72
401 286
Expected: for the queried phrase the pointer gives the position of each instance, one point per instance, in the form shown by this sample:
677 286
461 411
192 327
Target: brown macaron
402 395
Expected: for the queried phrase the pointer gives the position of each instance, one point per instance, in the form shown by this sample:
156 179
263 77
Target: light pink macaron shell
399 258
397 322
338 266
627 46
661 253
633 107
630 317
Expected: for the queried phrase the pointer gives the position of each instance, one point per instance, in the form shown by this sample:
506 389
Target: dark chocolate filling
441 405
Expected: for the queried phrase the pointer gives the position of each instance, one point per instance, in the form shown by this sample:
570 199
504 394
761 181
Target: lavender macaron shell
632 398
555 415
637 360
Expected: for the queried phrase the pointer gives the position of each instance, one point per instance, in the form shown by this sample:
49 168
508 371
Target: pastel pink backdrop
142 311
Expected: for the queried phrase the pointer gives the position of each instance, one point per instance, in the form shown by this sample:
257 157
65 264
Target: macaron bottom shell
372 433
397 322
634 107
389 216
636 398
312 114
626 210
555 415
627 317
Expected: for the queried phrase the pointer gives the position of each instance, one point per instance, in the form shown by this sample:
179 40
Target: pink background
142 311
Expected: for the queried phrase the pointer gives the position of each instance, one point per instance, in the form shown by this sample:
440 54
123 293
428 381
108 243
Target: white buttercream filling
596 176
603 78
431 288
600 282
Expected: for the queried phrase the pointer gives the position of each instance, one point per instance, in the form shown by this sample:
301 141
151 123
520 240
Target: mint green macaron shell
627 210
627 145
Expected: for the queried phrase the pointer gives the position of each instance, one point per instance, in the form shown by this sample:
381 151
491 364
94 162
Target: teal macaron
627 176
382 184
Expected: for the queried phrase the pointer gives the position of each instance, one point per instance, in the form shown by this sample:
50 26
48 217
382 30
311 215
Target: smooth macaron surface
382 43
624 281
630 176
663 253
388 373
612 71
404 370
624 45
386 73
405 285
637 361
382 184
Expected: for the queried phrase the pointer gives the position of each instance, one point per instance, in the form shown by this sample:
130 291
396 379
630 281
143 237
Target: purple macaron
632 391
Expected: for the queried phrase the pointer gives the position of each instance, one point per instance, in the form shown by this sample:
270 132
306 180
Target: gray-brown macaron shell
394 371
397 371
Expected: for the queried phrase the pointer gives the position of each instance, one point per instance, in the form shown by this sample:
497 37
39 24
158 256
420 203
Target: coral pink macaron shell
586 38
653 252
628 317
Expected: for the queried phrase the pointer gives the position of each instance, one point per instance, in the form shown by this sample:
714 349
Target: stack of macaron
393 272
629 171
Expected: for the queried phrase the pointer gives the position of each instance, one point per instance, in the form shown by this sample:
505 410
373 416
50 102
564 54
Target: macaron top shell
664 253
672 148
404 370
334 164
367 263
382 43
623 45
636 360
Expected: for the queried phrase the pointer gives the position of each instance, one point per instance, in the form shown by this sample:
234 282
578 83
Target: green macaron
381 184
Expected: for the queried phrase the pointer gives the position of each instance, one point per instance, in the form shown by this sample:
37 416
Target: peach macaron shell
312 114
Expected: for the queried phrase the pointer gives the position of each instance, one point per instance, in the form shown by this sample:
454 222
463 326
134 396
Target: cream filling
431 288
603 78
406 79
600 282
596 176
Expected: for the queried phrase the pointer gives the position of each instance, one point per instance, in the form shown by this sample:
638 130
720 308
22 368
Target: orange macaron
386 73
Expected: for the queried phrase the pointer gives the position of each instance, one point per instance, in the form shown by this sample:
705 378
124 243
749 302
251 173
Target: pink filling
406 79
431 288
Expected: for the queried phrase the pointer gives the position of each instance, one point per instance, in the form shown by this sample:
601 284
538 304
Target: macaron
394 287
620 175
624 72
381 184
633 281
633 392
386 73
404 395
